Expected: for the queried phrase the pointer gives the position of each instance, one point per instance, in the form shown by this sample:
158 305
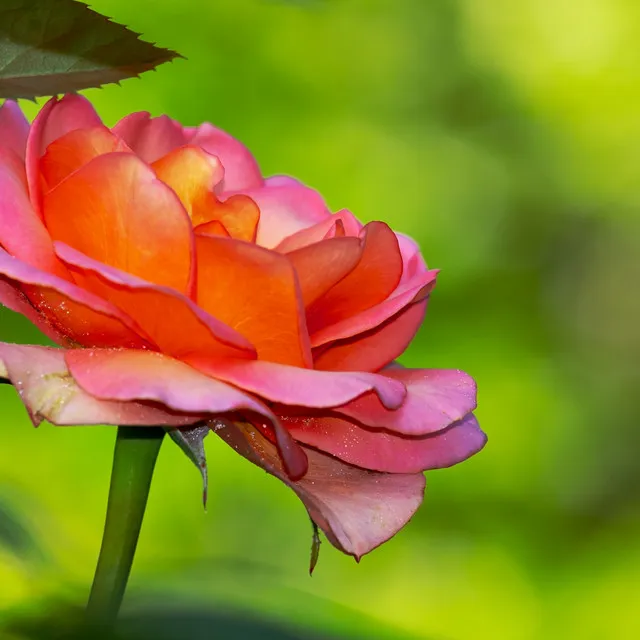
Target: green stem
134 459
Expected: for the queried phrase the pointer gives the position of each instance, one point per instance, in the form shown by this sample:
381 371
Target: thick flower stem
134 459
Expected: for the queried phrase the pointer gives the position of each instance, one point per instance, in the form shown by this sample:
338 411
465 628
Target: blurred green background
505 137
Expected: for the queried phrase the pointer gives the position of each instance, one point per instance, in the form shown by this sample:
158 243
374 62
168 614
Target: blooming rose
183 288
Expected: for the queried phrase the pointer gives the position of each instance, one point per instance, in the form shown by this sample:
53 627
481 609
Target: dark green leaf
59 46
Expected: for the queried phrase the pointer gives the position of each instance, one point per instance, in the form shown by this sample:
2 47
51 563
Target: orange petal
373 349
82 324
240 216
213 228
193 173
322 265
75 149
370 283
254 291
75 315
169 319
117 212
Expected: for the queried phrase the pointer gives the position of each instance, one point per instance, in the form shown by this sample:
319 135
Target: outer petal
142 375
255 292
376 348
77 314
241 170
358 510
285 209
54 120
116 211
415 291
150 138
369 284
22 233
14 128
386 451
171 321
49 392
304 387
435 399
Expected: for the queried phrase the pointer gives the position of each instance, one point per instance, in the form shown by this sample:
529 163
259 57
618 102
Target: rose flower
184 288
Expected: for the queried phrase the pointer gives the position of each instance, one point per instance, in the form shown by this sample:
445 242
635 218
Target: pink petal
326 228
282 181
55 119
22 232
418 289
150 138
376 348
289 385
241 171
435 399
48 392
412 259
385 451
285 209
358 510
79 315
14 128
127 375
171 321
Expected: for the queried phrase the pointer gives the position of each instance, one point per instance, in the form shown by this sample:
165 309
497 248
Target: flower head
184 288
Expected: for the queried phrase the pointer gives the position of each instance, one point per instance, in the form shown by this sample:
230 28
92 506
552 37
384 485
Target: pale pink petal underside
358 510
49 392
